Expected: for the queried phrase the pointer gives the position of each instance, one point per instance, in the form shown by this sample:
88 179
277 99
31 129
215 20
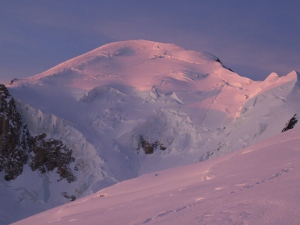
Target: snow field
257 185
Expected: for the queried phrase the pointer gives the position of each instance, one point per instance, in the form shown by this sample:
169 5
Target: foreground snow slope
256 185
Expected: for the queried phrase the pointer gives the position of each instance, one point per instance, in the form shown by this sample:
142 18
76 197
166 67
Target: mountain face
18 147
126 109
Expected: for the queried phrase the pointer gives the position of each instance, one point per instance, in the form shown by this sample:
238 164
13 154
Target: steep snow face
37 168
271 104
133 107
256 185
85 161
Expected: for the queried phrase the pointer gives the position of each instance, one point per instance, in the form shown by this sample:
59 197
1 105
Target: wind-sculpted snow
257 185
134 107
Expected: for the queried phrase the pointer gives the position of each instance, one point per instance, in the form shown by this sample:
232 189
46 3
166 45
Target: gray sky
254 38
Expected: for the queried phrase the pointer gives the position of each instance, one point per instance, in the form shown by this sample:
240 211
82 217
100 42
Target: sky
253 38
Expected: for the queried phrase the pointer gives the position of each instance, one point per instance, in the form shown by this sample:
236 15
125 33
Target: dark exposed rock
18 147
150 147
48 154
290 125
12 81
71 197
12 154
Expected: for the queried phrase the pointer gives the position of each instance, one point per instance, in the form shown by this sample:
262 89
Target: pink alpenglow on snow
256 185
133 108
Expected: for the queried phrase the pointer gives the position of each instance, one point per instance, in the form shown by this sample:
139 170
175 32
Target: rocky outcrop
50 154
13 137
290 124
150 147
19 148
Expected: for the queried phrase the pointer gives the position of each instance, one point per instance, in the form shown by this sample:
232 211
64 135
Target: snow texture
256 185
106 103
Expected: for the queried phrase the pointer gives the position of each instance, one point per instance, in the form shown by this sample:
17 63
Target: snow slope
120 101
256 185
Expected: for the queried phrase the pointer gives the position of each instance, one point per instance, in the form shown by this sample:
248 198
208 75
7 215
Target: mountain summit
129 108
141 65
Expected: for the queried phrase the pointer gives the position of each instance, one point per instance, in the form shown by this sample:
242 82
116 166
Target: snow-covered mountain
135 107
